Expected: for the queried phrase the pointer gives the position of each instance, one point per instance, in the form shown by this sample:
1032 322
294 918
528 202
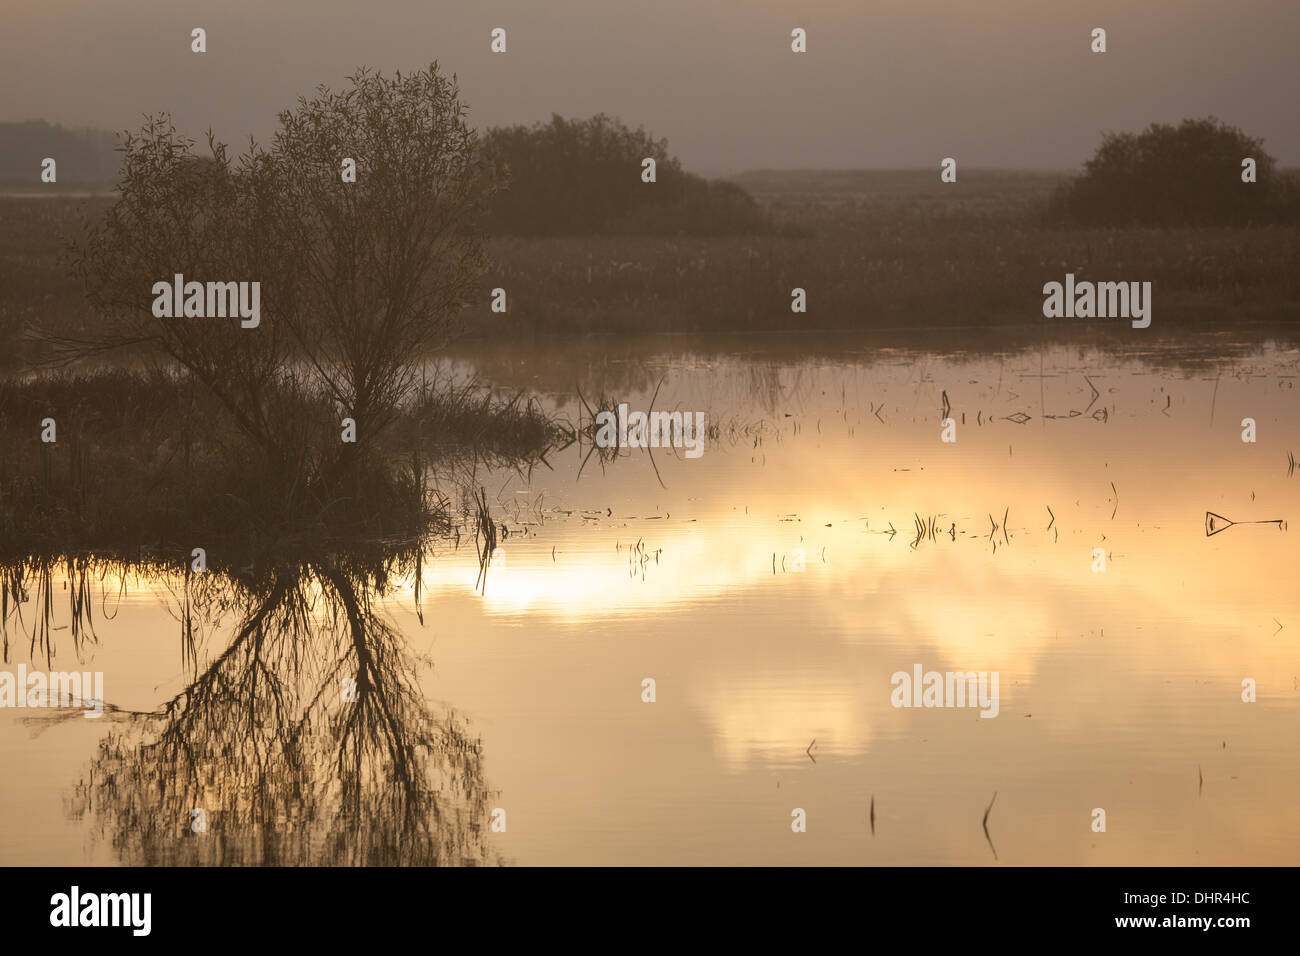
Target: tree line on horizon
581 177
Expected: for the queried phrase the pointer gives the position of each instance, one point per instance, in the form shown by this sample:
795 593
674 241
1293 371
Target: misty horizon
1007 86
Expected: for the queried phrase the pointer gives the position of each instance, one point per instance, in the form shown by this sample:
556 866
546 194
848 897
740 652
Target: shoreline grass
145 463
874 251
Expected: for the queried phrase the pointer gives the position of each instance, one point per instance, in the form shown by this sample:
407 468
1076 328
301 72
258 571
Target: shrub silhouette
1184 175
583 177
358 280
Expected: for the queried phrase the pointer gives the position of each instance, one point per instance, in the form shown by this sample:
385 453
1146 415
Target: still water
826 539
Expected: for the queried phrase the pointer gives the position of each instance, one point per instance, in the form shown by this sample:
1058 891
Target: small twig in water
986 825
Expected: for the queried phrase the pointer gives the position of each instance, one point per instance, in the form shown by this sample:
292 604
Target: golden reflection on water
1119 690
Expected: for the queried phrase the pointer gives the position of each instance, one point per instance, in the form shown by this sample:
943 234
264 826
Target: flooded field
825 539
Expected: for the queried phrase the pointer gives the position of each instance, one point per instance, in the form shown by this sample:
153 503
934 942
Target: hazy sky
884 83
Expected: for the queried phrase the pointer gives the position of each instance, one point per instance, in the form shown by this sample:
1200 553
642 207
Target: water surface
825 539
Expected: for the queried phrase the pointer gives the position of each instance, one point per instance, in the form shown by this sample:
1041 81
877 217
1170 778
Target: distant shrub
1184 175
583 177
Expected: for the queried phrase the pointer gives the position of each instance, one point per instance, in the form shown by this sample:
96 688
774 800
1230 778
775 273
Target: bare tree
383 265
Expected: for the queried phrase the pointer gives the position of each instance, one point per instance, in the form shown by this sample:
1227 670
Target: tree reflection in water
289 762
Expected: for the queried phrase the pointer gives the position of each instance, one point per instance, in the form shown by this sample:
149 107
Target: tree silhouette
358 279
1184 175
582 177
